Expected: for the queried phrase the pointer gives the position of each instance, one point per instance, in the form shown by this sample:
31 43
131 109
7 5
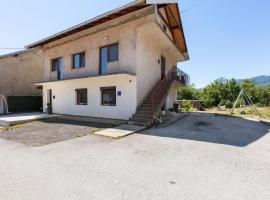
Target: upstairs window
108 96
108 54
113 52
56 63
78 60
81 96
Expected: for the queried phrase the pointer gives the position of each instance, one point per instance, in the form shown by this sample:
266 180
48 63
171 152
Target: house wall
65 97
172 96
19 71
163 21
124 34
149 50
141 44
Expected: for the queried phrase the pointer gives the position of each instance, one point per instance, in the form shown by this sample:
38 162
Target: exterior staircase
149 110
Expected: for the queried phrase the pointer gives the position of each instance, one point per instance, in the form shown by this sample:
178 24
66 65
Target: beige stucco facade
18 72
142 41
64 96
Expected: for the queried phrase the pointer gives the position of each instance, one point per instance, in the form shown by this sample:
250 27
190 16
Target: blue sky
225 38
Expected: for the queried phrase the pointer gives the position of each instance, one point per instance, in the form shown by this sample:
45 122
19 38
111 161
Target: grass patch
10 128
243 113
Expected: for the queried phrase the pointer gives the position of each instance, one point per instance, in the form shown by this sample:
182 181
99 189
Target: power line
196 4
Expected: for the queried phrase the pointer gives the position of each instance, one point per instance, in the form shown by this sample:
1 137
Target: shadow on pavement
214 129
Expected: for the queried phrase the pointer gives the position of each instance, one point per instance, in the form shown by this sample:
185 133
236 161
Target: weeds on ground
247 112
10 128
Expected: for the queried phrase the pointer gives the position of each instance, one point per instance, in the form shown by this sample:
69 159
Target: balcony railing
181 76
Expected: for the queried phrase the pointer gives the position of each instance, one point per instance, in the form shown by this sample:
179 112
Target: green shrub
222 103
186 105
228 104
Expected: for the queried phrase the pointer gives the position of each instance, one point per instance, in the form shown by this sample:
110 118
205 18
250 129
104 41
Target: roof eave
39 43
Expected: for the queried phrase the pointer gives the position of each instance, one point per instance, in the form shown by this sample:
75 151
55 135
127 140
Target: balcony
181 76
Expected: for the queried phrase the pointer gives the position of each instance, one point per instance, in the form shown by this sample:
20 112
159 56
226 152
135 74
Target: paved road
157 164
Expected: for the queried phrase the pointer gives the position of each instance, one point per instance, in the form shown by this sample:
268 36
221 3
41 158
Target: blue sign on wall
119 93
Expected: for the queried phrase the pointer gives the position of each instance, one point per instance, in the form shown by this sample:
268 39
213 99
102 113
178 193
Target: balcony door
163 67
108 54
57 66
103 60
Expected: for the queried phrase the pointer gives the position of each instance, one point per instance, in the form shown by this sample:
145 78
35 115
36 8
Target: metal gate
24 103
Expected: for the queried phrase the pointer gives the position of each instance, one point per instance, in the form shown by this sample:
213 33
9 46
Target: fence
24 103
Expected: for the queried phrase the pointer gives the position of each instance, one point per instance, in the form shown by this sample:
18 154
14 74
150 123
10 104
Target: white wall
151 45
124 35
172 96
65 96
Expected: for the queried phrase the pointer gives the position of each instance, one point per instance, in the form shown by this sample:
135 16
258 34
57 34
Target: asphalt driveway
50 131
160 163
208 127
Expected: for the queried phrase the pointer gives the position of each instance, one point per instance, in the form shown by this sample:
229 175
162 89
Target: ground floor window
108 96
81 96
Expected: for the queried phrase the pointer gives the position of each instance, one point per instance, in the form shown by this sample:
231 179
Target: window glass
104 60
108 96
78 60
56 64
82 59
81 96
60 69
113 53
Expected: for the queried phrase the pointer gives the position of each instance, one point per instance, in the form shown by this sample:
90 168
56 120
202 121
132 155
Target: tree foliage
225 92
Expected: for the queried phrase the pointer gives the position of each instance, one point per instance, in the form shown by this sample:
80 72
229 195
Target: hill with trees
258 80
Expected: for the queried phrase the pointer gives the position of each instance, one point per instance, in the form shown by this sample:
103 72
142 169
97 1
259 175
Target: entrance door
49 98
163 67
103 60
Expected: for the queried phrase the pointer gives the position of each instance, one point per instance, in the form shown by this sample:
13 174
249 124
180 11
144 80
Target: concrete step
141 120
145 116
147 108
150 104
145 124
144 112
120 131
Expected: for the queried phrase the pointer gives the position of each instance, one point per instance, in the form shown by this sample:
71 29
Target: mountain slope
259 80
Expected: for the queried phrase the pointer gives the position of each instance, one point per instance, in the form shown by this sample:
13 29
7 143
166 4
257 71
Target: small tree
186 105
187 92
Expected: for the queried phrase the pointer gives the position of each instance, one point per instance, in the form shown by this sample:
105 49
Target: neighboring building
108 67
18 72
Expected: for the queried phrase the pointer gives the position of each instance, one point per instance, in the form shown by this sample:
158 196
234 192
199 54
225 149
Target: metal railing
182 76
158 94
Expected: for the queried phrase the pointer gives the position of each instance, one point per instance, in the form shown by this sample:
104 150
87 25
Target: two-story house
119 65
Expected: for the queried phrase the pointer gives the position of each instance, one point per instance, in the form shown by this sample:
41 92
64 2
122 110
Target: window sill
112 61
77 67
82 104
108 104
